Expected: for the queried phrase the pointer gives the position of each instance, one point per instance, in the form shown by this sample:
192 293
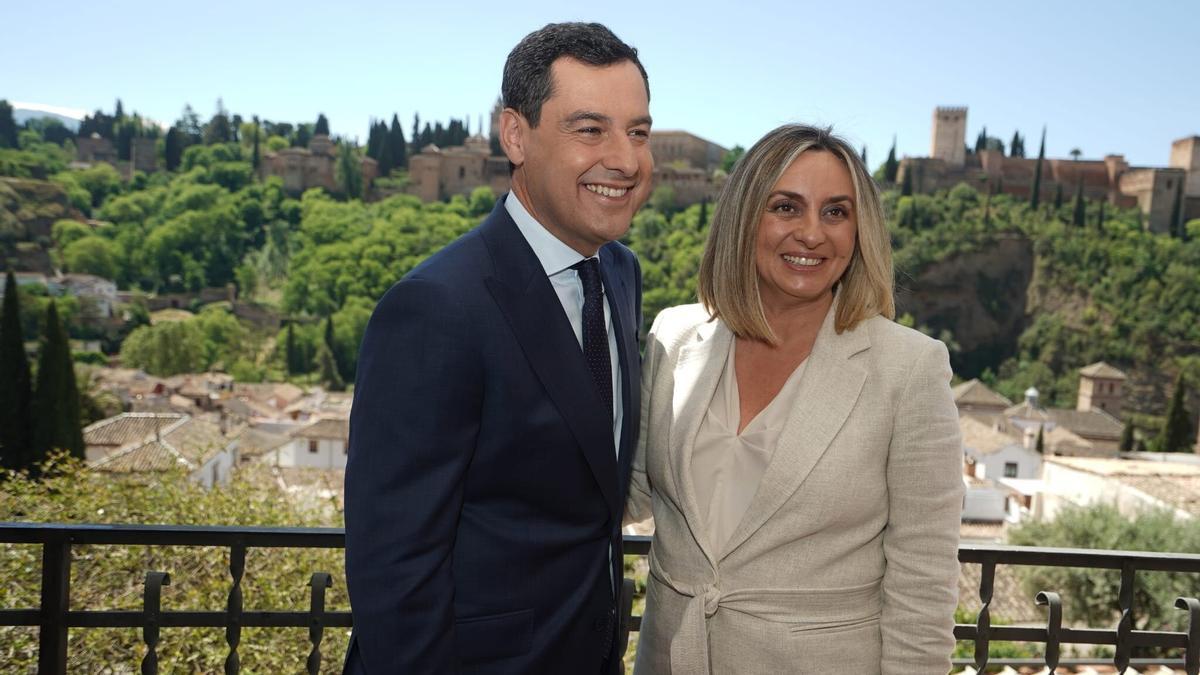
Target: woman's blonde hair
728 285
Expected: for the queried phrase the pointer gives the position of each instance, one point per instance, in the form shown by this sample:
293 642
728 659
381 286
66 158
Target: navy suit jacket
483 492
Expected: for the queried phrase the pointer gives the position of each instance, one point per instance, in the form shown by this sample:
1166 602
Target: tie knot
589 274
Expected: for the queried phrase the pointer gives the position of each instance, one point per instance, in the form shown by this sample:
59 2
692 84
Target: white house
324 444
1131 485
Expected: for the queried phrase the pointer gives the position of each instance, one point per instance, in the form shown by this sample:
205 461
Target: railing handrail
54 615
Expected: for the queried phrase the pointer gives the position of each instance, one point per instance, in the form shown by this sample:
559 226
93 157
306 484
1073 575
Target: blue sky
1103 76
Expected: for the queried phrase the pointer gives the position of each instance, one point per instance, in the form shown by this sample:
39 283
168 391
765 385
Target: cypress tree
8 125
891 165
1176 428
1126 438
864 154
386 162
981 140
1058 196
56 399
327 369
1100 217
1040 446
172 149
256 159
1077 216
416 133
322 125
398 144
1035 193
291 353
703 214
374 141
1175 226
1015 147
906 189
16 396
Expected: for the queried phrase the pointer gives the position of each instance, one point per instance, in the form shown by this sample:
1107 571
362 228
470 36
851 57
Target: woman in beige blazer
799 450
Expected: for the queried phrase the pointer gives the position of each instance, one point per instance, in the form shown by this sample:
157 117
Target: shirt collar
553 254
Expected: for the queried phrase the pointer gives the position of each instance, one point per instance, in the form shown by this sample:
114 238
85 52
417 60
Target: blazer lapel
697 372
830 388
535 314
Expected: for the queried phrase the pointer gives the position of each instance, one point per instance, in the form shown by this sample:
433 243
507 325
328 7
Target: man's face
585 169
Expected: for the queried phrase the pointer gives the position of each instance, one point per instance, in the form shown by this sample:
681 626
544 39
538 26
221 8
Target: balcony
54 617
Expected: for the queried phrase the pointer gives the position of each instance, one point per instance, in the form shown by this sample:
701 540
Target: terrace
54 617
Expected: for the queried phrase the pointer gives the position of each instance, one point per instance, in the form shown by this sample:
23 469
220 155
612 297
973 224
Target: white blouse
727 466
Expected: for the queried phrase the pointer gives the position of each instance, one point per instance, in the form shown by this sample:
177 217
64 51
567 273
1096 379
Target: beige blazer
846 560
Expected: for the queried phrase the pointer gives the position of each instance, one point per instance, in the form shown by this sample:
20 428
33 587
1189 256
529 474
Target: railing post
1191 661
152 617
316 623
1125 625
233 608
983 623
56 600
1053 626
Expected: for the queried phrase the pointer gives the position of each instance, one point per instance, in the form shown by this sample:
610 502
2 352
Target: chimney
1030 438
1031 397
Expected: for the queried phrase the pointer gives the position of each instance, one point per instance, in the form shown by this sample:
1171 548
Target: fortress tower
950 135
1185 154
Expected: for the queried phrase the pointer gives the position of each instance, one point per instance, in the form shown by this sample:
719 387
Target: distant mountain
22 114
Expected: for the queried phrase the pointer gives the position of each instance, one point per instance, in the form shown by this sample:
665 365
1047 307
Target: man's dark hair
527 82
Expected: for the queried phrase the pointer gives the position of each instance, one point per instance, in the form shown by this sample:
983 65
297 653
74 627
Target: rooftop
1102 369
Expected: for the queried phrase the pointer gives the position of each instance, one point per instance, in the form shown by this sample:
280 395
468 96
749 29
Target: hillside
1021 298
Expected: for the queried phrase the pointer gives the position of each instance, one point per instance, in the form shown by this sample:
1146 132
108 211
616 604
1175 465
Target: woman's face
806 236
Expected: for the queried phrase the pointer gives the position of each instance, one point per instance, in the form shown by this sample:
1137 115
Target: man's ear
513 131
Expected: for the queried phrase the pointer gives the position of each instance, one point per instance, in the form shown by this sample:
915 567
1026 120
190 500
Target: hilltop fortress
1167 196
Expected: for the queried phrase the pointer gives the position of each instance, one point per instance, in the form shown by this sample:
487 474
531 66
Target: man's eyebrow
644 120
588 115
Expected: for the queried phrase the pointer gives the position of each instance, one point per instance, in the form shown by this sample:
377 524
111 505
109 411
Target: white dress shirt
556 259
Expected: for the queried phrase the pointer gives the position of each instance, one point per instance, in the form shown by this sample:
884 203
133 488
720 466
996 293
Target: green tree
256 158
1126 444
397 144
1040 445
327 368
93 255
1080 207
56 424
219 128
730 158
1035 190
173 148
165 348
482 200
8 126
348 171
292 359
322 127
1058 197
16 395
1092 592
1177 429
663 199
906 188
1100 216
1016 148
981 140
891 166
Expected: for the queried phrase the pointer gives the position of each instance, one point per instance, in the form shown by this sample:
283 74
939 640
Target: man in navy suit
496 406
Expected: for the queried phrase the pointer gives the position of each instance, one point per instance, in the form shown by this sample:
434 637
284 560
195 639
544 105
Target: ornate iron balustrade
54 617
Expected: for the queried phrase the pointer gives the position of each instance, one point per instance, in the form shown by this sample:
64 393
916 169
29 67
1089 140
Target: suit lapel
697 372
535 314
828 392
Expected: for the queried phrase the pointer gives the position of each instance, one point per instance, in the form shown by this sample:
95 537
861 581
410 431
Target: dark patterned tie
595 334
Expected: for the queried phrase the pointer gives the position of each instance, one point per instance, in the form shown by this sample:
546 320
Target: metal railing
54 617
